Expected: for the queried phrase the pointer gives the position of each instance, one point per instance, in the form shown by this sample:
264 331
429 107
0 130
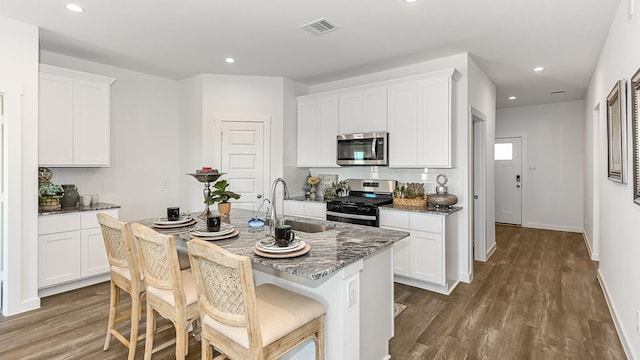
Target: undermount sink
307 227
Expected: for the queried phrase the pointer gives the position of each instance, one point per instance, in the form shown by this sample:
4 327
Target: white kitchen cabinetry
74 118
71 252
317 130
363 110
428 259
419 121
309 209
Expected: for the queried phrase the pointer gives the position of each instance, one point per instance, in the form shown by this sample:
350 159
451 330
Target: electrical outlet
638 322
586 220
352 288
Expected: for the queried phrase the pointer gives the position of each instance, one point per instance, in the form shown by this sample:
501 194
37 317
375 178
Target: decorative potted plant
221 195
49 197
336 189
410 194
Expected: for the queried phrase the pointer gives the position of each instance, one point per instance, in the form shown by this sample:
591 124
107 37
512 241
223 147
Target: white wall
619 223
482 96
19 74
293 175
143 177
190 135
553 143
458 176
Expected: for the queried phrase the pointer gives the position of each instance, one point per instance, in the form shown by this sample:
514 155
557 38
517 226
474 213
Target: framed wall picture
635 119
326 180
616 133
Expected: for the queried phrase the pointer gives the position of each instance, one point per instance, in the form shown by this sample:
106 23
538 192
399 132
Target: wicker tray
410 202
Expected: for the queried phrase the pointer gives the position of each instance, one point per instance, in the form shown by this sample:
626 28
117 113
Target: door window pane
504 151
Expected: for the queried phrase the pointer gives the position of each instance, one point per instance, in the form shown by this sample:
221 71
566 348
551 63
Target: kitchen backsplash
87 180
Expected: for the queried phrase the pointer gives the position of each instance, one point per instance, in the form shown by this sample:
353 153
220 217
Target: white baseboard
616 320
554 227
444 290
466 278
491 251
593 256
44 292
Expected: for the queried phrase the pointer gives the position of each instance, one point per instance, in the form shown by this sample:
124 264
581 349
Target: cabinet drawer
395 219
318 211
429 223
49 224
89 219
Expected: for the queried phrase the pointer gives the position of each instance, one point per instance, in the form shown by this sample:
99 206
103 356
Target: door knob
517 186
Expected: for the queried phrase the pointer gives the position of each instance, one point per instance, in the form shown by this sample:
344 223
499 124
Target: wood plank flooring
536 298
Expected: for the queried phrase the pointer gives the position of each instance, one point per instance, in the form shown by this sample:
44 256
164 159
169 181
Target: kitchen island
349 270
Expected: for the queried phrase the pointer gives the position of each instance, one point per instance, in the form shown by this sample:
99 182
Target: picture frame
635 127
616 133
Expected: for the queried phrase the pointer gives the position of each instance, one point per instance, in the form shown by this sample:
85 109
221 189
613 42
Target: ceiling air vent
318 27
557 92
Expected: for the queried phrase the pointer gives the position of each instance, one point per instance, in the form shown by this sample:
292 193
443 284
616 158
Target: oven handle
351 216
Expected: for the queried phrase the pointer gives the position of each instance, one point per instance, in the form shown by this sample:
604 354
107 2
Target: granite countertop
428 210
330 250
78 208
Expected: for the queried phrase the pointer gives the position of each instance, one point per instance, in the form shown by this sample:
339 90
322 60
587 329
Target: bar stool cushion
124 272
189 285
280 312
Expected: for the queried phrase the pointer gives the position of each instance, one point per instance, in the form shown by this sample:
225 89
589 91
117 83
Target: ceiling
178 39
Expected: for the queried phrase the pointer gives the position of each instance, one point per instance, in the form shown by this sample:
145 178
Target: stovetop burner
360 200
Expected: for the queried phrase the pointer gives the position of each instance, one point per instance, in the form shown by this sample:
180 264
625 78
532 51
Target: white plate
202 230
234 233
175 225
165 221
277 249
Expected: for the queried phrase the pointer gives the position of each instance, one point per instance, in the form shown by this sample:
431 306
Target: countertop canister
70 197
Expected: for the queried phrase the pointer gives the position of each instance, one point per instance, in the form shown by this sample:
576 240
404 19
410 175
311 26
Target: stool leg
112 314
135 320
180 337
151 326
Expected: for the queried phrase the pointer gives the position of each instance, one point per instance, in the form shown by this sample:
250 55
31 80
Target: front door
243 159
508 156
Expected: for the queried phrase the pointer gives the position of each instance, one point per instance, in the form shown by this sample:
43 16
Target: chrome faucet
274 216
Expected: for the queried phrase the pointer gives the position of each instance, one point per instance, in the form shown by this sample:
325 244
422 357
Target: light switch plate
352 288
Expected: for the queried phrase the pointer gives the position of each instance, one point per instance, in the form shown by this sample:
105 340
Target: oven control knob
363 210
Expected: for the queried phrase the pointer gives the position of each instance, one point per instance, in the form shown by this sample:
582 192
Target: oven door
353 214
362 149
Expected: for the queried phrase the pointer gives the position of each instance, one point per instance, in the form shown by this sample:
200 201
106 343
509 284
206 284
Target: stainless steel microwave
363 149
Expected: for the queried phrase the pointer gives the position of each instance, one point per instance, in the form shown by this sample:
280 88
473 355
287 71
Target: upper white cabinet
419 121
363 110
74 118
317 130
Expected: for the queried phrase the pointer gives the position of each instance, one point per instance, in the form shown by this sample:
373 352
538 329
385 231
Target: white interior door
508 156
243 159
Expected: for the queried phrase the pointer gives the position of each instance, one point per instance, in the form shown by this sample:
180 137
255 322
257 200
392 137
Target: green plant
220 193
409 191
50 190
336 189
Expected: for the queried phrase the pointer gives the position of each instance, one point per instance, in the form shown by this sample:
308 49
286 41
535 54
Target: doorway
478 183
509 181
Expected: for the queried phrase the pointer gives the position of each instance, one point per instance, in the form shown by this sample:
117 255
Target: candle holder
207 179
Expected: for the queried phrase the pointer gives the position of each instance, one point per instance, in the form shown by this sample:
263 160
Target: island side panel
376 305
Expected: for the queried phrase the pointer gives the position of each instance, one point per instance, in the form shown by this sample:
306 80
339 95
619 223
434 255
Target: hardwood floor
536 298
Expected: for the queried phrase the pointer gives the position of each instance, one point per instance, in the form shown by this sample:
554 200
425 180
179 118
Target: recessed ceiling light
538 69
410 1
512 98
75 8
230 60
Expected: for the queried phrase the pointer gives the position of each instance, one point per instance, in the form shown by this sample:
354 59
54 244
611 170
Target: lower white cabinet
310 209
428 258
71 251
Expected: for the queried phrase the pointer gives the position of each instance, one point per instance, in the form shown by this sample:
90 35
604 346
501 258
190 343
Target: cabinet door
375 109
293 208
434 122
58 258
93 257
308 135
91 123
55 120
351 113
427 257
328 123
403 124
402 257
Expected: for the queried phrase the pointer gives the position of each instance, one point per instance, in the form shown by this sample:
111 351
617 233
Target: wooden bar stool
170 292
245 322
125 275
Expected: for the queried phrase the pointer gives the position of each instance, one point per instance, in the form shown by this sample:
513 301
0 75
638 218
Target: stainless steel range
361 206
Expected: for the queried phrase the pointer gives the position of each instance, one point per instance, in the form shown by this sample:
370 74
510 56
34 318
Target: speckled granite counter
427 210
330 250
78 208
